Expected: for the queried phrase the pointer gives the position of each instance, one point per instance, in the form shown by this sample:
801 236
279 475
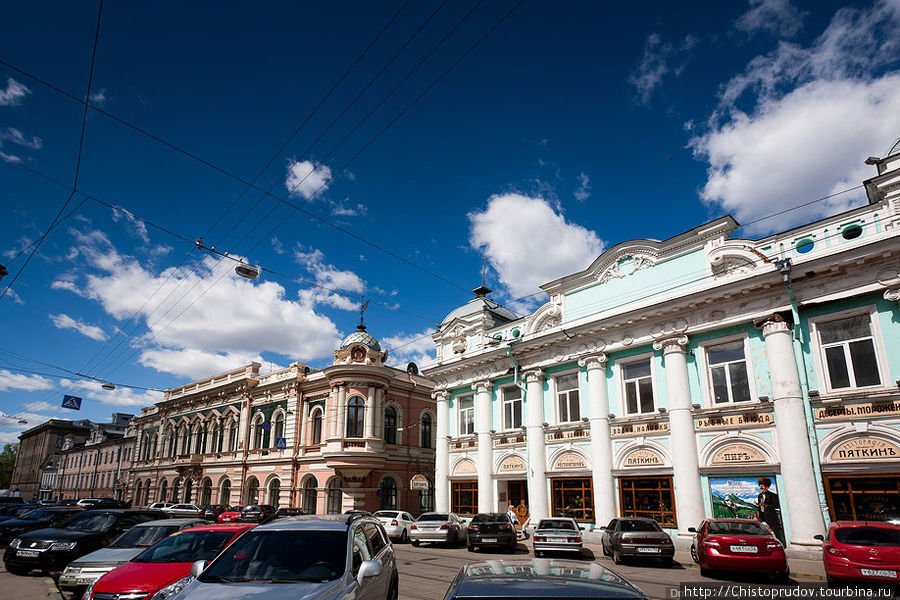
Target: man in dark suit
769 507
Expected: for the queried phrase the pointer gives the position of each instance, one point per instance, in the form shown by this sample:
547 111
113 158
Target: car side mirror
819 537
369 568
692 529
602 528
581 527
198 567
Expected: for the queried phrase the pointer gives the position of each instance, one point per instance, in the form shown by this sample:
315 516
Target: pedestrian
511 513
769 507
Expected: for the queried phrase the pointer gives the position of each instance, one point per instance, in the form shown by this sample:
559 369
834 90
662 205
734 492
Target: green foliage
7 464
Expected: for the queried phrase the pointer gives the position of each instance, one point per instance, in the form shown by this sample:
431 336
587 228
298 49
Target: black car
11 511
285 511
257 513
53 548
636 537
36 518
491 529
540 578
212 511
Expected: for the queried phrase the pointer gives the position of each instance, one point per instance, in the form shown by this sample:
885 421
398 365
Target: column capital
482 386
593 361
668 345
440 395
892 294
774 324
533 375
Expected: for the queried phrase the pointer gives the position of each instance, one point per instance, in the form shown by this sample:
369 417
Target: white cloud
328 276
14 93
776 17
340 209
10 157
17 299
584 187
305 179
519 249
99 97
136 227
14 135
659 60
277 245
64 321
20 381
195 364
40 405
406 348
797 123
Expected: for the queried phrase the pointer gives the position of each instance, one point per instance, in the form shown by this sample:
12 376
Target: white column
798 480
683 440
537 449
486 501
371 411
304 419
442 454
379 413
341 416
329 414
601 442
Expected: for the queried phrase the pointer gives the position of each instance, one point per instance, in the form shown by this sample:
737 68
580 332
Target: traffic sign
281 443
72 402
266 426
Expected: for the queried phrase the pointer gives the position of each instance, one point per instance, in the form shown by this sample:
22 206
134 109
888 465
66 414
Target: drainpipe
516 381
784 267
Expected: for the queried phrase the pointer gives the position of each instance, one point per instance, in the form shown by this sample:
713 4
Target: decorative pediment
734 258
546 317
625 265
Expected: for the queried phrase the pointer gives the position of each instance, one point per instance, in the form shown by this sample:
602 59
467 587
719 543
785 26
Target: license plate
557 540
743 549
84 581
27 553
879 573
489 540
648 550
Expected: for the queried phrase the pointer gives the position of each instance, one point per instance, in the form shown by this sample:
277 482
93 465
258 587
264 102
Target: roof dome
481 304
361 336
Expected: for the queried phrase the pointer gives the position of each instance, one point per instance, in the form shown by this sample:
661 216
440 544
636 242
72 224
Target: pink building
97 467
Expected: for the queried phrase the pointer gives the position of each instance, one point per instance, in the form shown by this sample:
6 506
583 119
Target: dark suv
491 529
257 513
37 518
54 548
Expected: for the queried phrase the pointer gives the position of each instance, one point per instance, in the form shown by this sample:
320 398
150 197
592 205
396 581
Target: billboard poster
736 497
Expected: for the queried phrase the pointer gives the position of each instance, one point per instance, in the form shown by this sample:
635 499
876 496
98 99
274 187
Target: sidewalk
32 587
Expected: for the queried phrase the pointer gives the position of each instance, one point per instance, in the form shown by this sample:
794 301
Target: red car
741 545
861 551
232 515
165 563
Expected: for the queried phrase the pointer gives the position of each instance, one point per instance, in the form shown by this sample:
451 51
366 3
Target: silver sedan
439 528
560 534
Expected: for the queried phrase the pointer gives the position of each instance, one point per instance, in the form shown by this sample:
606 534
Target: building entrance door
518 497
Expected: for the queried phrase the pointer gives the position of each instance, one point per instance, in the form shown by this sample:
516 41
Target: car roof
316 522
163 522
221 527
880 524
538 578
732 521
646 519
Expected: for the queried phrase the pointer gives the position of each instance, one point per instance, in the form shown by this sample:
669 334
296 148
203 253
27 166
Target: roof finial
361 325
481 291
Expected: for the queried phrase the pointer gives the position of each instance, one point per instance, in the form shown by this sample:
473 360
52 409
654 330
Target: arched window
145 446
274 492
153 445
425 431
146 493
317 426
388 494
232 435
163 488
206 492
355 414
188 490
258 431
137 492
252 495
175 485
184 434
334 497
310 495
225 493
426 498
173 442
390 425
277 427
204 432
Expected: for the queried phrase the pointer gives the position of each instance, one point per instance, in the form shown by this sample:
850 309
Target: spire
482 290
362 326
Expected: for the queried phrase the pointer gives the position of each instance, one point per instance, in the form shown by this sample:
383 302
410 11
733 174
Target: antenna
361 311
483 268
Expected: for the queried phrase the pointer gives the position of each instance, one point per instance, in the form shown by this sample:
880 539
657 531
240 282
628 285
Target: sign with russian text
465 467
419 482
849 411
643 457
512 464
570 461
741 421
639 428
865 449
737 454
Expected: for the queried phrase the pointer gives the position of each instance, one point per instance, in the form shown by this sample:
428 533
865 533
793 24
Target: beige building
37 449
97 467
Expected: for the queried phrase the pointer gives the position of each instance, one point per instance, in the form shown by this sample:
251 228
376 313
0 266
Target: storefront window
573 497
464 497
648 497
865 498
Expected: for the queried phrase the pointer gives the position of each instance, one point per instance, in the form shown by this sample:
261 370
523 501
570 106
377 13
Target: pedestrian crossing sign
280 443
73 402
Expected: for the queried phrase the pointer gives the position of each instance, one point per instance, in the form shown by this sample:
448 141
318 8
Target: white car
182 510
396 523
85 502
160 506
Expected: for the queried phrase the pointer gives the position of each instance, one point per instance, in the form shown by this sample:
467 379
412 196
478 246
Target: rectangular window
638 382
864 497
512 407
464 497
573 497
567 401
466 415
650 497
728 372
849 352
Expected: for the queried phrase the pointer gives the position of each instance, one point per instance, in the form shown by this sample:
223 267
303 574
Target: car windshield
186 547
556 524
868 536
390 514
730 528
91 521
435 517
489 518
638 526
144 536
281 557
39 513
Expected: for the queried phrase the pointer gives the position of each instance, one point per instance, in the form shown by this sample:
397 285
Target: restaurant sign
570 461
737 454
512 464
419 482
465 467
866 448
735 421
849 411
639 428
643 457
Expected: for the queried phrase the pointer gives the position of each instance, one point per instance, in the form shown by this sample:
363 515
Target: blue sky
571 127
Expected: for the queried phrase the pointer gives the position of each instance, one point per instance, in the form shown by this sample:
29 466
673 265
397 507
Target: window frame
881 362
356 406
459 414
504 426
555 389
390 433
315 438
620 378
709 396
633 490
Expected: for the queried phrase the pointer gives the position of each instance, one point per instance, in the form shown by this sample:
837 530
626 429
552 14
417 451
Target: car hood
258 591
17 523
141 577
109 556
51 533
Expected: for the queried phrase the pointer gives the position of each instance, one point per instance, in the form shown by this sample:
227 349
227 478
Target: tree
7 464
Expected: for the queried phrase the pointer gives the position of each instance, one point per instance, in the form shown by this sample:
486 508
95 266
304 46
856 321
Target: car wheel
783 577
539 554
415 543
393 591
470 548
17 570
617 558
513 547
694 554
605 550
667 561
704 572
404 537
830 581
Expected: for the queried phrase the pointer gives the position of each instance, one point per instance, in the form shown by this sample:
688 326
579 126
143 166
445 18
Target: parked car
257 513
314 558
12 500
165 563
211 512
231 515
14 510
160 506
288 511
738 545
560 534
84 571
182 510
491 529
636 537
36 518
86 502
396 523
435 527
52 549
861 551
540 578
